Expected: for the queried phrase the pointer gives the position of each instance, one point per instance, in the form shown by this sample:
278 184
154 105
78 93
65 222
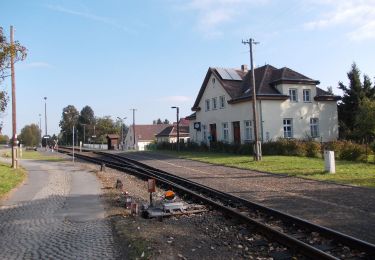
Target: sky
116 55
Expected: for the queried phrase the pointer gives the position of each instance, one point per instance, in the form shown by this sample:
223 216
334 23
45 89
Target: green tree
86 123
69 118
354 94
166 121
105 125
4 139
365 120
6 49
30 135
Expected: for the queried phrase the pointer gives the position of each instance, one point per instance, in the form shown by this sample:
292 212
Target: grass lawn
354 173
9 178
34 155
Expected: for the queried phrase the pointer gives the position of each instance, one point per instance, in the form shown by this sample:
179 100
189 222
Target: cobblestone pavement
345 208
52 221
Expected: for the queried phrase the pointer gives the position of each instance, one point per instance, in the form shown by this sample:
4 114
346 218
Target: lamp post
178 128
45 114
122 131
40 128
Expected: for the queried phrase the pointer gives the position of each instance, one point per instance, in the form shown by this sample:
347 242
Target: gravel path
347 209
55 214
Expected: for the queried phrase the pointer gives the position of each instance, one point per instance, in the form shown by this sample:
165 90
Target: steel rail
294 244
327 232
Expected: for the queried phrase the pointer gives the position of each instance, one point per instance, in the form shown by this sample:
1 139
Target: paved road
348 209
56 214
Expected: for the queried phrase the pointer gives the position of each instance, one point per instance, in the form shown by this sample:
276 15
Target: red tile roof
148 132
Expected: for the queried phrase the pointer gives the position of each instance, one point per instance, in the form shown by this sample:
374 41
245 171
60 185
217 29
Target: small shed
113 141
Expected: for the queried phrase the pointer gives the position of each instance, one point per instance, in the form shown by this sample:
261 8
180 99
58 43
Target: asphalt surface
55 214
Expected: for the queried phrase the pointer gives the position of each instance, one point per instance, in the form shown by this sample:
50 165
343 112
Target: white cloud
357 15
35 65
177 99
38 64
212 14
87 15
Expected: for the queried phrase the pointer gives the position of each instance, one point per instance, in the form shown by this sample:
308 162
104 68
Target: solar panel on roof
223 74
228 74
234 75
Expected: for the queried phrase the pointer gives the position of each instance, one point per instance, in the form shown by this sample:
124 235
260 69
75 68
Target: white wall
300 113
129 141
229 114
271 115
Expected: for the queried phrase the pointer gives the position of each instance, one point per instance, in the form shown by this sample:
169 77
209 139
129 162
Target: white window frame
207 104
293 95
225 127
222 102
214 103
307 95
314 127
288 127
248 130
204 133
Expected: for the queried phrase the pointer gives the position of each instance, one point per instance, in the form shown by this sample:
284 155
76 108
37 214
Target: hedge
344 150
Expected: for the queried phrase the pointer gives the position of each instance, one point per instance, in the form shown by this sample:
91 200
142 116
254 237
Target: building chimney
244 68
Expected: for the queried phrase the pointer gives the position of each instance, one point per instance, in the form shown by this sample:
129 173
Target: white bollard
329 161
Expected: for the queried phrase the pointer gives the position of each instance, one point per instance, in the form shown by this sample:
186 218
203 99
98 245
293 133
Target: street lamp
122 131
40 128
45 114
178 128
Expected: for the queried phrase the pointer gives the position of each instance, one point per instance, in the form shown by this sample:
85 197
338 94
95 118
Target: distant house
144 135
169 134
289 105
112 141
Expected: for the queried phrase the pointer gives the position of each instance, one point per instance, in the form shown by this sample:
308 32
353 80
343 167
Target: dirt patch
208 235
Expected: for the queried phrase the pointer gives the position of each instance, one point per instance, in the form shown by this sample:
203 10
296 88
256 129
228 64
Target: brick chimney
244 68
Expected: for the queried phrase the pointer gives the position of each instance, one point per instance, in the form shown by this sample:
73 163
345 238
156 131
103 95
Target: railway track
300 236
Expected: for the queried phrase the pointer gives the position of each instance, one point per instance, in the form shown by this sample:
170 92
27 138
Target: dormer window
293 97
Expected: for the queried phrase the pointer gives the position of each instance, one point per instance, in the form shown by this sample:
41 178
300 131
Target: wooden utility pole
257 144
14 118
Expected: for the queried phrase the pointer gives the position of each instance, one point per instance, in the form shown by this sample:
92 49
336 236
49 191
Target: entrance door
213 132
236 132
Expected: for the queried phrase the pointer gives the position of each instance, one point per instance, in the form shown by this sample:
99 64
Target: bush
335 146
284 146
372 146
313 149
344 150
352 152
